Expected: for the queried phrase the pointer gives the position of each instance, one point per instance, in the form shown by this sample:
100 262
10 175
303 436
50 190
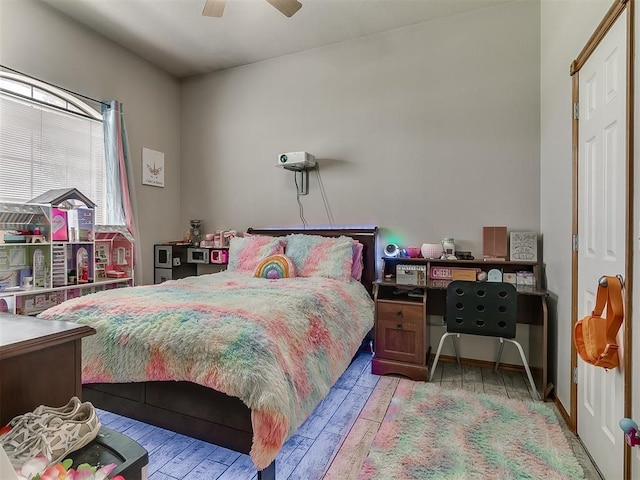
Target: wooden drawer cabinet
400 331
400 341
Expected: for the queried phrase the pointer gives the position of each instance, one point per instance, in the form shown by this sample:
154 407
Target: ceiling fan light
287 7
213 8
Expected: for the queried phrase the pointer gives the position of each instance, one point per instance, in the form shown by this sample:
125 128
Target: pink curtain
121 199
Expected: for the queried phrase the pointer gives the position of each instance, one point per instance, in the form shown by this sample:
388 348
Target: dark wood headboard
368 237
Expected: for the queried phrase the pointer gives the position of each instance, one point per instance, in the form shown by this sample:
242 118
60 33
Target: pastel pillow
275 267
245 253
357 261
317 256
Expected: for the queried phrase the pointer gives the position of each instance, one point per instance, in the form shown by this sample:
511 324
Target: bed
222 399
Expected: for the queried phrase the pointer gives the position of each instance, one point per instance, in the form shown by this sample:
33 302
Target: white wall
565 28
428 131
37 40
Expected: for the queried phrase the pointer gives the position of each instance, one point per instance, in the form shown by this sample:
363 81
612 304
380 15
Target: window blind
42 148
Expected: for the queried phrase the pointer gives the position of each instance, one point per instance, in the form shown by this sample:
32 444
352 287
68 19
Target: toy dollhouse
114 252
50 251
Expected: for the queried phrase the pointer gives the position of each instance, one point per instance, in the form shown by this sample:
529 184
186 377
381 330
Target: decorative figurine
630 429
195 232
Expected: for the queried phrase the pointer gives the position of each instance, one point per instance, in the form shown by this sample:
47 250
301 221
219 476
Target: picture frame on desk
523 246
494 243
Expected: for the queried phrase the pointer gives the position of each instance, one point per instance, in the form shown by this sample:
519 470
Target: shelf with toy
49 252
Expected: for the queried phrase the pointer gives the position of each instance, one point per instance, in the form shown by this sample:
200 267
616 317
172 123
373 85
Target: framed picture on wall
152 167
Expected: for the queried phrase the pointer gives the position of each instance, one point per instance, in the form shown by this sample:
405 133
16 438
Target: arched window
48 139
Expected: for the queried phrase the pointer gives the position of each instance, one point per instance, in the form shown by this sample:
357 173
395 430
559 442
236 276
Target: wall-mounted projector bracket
302 179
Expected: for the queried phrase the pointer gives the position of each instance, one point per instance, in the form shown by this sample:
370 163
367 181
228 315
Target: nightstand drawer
405 312
400 332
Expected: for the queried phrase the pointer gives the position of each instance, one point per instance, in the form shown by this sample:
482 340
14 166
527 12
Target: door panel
601 233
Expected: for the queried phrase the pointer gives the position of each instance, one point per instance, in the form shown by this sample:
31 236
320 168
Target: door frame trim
603 28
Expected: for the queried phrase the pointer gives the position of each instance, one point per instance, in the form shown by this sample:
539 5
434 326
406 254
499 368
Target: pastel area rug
430 432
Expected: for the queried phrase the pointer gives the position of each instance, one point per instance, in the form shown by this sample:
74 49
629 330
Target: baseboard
565 415
472 362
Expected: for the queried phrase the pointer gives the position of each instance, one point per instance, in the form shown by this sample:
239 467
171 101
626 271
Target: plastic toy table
114 447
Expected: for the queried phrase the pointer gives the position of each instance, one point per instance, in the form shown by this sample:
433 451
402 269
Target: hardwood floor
334 440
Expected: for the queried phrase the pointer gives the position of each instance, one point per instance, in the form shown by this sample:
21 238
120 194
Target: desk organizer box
525 279
411 274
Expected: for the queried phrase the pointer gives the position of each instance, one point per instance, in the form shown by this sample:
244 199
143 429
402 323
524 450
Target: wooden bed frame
201 412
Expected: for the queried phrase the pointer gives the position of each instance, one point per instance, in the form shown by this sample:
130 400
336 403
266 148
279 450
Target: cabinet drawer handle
399 325
399 313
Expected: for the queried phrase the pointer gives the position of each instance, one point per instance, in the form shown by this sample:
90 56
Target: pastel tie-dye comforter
278 345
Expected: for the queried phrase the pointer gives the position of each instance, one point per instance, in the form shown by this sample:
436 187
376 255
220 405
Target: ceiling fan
214 8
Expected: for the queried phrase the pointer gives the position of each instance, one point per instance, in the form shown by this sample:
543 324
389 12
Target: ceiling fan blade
214 8
287 7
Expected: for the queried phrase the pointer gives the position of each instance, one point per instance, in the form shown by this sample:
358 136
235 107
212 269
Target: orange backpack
594 336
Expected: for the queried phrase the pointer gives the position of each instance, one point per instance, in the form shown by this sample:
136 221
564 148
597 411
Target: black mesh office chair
482 308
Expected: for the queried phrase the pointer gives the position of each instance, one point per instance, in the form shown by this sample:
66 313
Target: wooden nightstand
401 335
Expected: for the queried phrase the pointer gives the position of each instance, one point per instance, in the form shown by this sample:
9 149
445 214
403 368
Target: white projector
296 160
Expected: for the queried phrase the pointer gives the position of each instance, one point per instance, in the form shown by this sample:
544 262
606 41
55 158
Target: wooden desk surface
442 285
22 334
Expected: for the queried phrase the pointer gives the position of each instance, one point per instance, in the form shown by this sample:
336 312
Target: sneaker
62 436
20 436
69 409
40 414
20 453
54 438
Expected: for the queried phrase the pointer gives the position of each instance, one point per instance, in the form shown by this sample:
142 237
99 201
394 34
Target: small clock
494 275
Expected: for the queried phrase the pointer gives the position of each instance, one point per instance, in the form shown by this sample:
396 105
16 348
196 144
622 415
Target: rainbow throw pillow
274 267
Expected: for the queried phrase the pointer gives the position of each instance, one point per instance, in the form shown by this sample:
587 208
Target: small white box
525 279
509 278
411 274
